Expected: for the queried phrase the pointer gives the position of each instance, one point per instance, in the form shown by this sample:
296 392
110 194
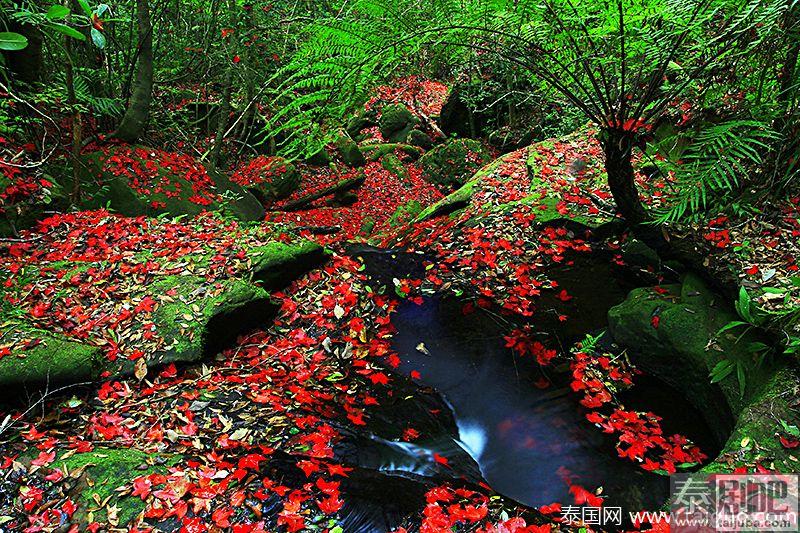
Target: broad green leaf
743 305
722 370
731 325
68 31
98 38
12 41
741 378
57 12
85 6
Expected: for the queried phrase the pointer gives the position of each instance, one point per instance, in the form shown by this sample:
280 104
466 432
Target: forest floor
248 439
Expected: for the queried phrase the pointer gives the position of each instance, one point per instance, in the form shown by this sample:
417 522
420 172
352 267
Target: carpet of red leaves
294 388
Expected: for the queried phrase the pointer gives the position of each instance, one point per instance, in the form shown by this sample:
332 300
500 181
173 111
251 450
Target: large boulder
396 122
452 164
357 124
375 152
349 152
420 138
107 294
674 334
136 180
268 178
50 358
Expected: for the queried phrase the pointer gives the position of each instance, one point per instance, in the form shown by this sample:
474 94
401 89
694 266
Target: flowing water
518 427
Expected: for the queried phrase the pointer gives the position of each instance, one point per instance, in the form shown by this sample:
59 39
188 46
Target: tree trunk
618 151
788 89
222 124
133 123
77 122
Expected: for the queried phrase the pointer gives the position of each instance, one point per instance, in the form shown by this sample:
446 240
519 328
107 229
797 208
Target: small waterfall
472 438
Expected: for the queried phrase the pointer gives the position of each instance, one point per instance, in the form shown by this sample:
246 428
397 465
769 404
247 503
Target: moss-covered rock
278 263
419 138
349 152
396 122
196 320
374 152
451 164
393 164
235 200
320 158
105 475
136 180
189 316
53 358
461 197
673 334
358 123
268 178
405 213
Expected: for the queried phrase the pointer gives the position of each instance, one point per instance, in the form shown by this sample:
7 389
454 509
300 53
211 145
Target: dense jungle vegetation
393 265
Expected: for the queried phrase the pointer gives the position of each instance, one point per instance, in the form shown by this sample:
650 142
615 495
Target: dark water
531 443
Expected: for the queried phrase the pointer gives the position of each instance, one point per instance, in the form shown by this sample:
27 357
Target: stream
521 425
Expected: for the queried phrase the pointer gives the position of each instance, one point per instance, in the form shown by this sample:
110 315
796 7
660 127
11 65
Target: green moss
182 320
393 164
396 122
684 346
374 152
754 438
461 197
276 262
405 213
349 151
104 471
453 163
453 201
367 227
54 359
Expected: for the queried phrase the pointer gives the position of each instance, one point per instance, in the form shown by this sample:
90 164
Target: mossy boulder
136 180
191 317
419 138
277 263
105 475
235 200
462 196
396 122
673 334
405 213
374 152
451 164
268 178
349 152
393 164
53 358
320 158
358 123
197 320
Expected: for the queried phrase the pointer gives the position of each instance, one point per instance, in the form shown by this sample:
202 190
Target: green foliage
716 159
755 318
10 40
85 82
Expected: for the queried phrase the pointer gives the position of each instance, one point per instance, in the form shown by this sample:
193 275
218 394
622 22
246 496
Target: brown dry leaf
140 369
